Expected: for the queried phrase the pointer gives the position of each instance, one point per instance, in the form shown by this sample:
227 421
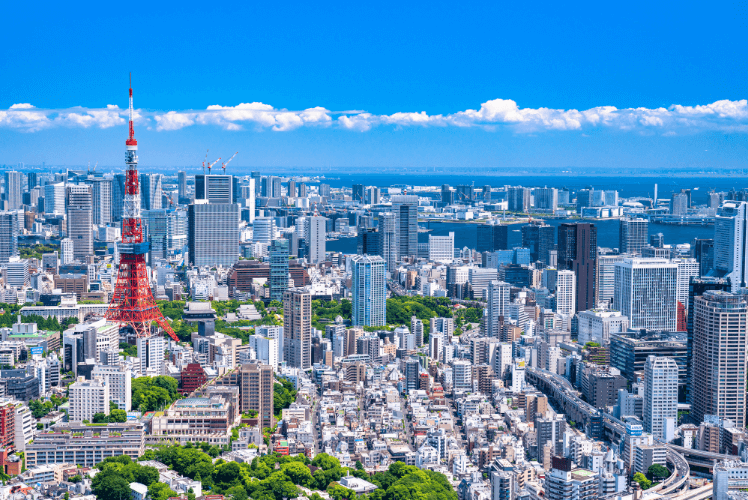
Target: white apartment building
660 396
151 354
566 292
687 268
316 238
119 378
88 397
442 248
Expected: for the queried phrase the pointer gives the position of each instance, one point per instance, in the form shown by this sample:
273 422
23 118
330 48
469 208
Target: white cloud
724 116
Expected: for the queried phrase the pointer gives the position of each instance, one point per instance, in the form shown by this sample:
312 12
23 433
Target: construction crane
223 165
210 165
206 159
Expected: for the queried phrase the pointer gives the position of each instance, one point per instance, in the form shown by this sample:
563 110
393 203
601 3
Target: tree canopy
153 393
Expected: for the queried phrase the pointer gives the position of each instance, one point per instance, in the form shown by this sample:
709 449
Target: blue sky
592 86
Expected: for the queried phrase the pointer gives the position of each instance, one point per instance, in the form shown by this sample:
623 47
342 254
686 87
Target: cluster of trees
112 482
114 416
655 474
283 395
40 409
128 349
36 251
153 393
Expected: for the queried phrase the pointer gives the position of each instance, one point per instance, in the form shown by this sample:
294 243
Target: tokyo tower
133 303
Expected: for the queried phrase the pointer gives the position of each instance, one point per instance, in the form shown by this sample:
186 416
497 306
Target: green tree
100 418
298 473
160 491
642 480
658 471
109 485
118 416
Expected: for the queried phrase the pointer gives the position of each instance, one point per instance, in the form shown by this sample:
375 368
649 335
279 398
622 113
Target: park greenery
284 394
11 312
153 393
237 329
278 477
657 472
36 251
40 409
112 482
642 480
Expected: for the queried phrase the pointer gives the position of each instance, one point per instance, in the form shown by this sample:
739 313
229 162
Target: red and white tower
133 303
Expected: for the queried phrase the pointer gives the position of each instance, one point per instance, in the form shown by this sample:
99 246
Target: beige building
297 328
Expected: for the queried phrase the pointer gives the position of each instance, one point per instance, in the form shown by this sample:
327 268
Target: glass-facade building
369 284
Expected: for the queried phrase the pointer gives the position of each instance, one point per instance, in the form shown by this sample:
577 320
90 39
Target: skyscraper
263 230
389 239
442 248
566 293
54 198
256 391
448 196
606 277
167 231
646 292
151 191
8 236
297 328
719 356
213 233
406 208
546 199
633 234
730 255
181 185
696 288
214 188
540 239
101 193
315 235
497 303
492 237
358 193
577 251
369 284
660 396
14 189
32 180
278 268
80 218
518 199
118 196
584 199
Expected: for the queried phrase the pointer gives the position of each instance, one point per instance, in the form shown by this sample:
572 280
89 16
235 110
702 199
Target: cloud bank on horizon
723 116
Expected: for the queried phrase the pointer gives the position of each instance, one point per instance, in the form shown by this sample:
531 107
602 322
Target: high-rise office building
540 239
118 196
367 241
315 236
448 196
606 277
54 198
8 236
660 396
166 230
80 219
151 191
730 245
324 190
214 188
389 239
373 195
646 292
213 233
464 194
292 188
585 199
492 237
657 240
303 190
369 286
101 193
278 268
66 251
719 356
263 230
297 328
257 176
518 199
359 193
577 251
181 185
633 234
32 180
487 193
687 268
696 288
497 305
546 199
703 251
14 189
406 208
